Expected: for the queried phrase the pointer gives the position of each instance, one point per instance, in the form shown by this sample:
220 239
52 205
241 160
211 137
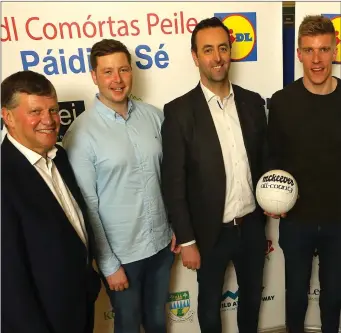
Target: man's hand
190 256
284 215
118 281
175 248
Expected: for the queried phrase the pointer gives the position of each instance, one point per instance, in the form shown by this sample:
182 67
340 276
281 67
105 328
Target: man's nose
47 118
217 56
316 56
117 77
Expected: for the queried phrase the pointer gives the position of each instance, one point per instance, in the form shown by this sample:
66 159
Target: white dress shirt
49 172
239 199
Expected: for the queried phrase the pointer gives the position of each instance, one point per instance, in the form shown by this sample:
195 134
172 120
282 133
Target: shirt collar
209 94
31 155
110 113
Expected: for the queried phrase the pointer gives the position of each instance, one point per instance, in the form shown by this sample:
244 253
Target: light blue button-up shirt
117 166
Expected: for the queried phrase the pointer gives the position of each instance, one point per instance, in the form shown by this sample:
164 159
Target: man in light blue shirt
115 150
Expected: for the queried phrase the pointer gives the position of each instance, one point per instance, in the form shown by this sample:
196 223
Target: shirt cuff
188 243
109 267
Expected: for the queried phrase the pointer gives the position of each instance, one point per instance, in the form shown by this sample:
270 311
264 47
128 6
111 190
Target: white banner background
158 86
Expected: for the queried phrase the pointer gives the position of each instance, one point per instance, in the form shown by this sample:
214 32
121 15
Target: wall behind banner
303 9
55 39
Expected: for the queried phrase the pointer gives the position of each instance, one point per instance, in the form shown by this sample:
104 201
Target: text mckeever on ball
276 192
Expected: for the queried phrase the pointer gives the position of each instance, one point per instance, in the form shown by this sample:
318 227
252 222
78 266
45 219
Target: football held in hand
277 192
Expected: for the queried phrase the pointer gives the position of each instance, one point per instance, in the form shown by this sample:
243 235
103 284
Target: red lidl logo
336 19
243 34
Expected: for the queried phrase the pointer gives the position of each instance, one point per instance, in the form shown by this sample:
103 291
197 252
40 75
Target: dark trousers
144 302
299 242
90 319
245 245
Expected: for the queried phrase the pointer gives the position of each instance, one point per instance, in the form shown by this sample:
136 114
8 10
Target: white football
277 192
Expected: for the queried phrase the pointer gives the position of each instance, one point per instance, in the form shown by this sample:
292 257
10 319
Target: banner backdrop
333 11
55 39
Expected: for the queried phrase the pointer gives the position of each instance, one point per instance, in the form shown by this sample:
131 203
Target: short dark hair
313 25
27 82
213 22
106 47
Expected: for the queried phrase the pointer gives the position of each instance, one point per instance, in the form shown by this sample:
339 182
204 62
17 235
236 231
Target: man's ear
94 77
299 54
7 116
335 53
195 58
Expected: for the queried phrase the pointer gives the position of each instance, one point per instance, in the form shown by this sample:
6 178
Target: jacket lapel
28 178
205 130
245 120
67 174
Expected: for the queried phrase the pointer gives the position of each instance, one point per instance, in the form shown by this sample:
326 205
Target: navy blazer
48 283
193 171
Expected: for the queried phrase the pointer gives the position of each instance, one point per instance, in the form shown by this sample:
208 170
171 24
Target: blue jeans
145 300
299 242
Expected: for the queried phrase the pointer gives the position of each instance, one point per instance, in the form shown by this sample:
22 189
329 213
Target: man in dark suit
213 155
48 283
